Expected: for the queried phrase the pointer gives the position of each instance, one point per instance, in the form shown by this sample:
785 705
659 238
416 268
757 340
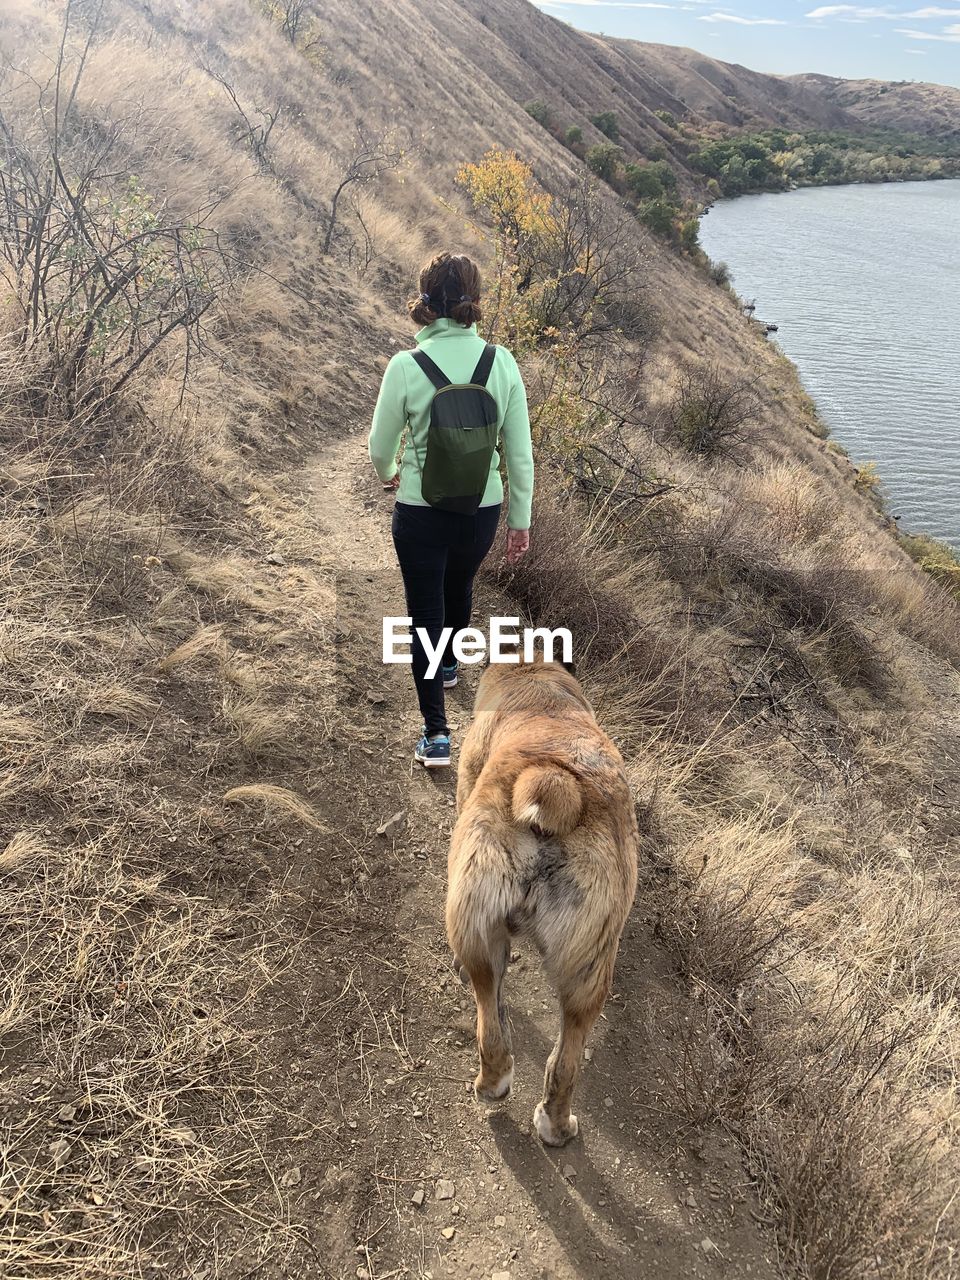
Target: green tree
604 160
659 216
734 177
573 135
539 110
690 235
606 122
668 179
643 181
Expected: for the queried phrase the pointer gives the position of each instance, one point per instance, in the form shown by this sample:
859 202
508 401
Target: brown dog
545 846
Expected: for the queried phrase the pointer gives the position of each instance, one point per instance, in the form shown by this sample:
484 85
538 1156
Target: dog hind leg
495 1077
580 1005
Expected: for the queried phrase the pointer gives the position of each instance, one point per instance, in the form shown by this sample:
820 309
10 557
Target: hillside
729 93
914 107
736 96
233 1043
672 103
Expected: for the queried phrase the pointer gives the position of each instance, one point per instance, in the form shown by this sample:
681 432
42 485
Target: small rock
499 1220
690 1200
291 1177
418 1197
500 1275
375 698
588 1054
60 1151
67 1113
608 1102
448 1233
568 1171
445 1189
709 1247
393 824
275 558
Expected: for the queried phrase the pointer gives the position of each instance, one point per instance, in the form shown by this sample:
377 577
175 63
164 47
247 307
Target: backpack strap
484 365
436 375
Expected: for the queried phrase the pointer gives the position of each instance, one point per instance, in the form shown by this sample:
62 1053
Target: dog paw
554 1136
493 1091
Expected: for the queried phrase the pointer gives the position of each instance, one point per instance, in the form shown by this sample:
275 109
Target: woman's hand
390 486
518 544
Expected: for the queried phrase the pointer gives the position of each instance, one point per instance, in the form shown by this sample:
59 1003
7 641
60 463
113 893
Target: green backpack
461 438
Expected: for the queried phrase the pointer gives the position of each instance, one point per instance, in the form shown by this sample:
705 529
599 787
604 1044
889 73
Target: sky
912 40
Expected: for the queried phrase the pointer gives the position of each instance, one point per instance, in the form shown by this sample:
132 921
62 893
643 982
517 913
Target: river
864 284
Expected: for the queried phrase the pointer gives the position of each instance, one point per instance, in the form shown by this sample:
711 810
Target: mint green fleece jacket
403 406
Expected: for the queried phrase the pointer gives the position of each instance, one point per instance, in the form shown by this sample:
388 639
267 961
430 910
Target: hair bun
449 288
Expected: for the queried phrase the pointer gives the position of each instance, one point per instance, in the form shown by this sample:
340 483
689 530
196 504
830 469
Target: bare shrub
577 576
591 267
101 273
298 21
255 124
371 155
712 415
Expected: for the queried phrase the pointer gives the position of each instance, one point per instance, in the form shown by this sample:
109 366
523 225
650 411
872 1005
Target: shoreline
935 553
823 186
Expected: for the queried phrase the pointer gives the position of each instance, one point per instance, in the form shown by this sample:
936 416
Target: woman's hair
449 286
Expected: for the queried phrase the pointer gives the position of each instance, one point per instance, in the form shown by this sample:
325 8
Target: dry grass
755 638
137 1003
830 993
276 803
206 640
812 920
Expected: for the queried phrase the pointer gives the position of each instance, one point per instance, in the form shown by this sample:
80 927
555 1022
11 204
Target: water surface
865 285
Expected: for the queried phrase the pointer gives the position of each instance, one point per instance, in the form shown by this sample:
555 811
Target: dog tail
549 797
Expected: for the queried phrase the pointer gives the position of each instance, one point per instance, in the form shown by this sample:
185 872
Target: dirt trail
639 1194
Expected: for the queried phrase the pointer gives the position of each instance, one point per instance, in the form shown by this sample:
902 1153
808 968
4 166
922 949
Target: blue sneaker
433 752
449 676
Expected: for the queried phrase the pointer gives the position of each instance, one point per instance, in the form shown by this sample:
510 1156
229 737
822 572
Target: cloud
862 13
951 35
742 22
836 10
858 13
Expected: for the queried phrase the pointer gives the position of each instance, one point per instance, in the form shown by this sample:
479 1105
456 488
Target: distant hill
732 94
913 106
737 96
532 58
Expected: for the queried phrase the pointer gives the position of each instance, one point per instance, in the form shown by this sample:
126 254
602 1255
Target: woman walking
453 400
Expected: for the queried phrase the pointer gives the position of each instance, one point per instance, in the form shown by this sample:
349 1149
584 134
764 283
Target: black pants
439 554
